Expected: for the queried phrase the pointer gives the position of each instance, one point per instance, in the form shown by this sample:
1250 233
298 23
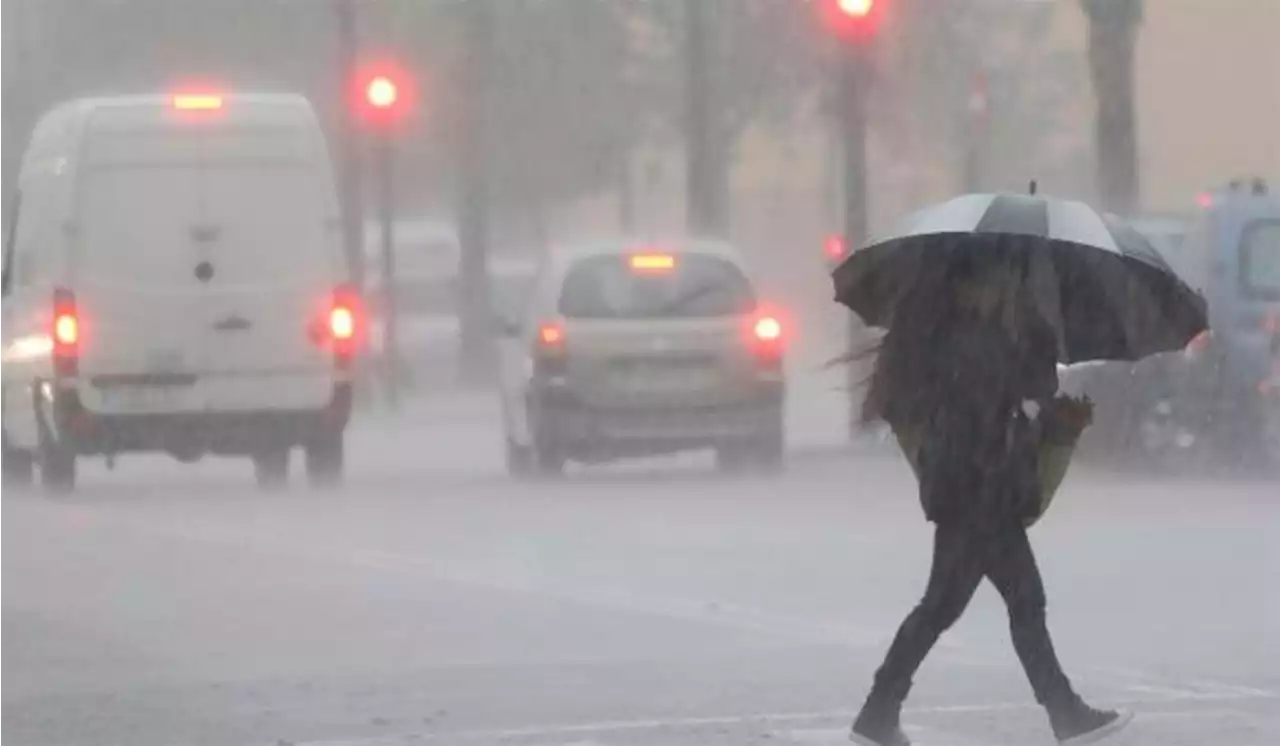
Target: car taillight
768 329
66 333
766 338
548 349
551 337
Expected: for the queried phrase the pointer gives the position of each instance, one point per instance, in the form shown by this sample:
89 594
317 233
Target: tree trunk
1112 40
707 190
349 138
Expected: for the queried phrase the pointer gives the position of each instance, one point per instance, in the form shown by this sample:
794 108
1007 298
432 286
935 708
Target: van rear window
679 286
1260 260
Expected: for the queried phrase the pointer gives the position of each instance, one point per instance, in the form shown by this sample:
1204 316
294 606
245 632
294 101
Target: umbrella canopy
1105 288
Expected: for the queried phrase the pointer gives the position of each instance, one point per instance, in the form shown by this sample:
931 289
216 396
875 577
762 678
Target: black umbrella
1106 288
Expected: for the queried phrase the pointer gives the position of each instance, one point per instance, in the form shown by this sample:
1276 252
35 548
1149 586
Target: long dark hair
908 369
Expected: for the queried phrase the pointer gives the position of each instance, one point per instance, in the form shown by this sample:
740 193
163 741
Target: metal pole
474 198
853 125
706 176
391 340
976 131
351 194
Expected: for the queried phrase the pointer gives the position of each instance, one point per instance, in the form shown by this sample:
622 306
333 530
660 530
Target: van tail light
66 333
345 324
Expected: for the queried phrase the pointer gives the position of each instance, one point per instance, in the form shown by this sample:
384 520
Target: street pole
707 179
474 199
350 191
978 121
21 83
390 313
853 86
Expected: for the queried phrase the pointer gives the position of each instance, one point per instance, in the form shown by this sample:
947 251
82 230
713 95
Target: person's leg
1011 567
956 572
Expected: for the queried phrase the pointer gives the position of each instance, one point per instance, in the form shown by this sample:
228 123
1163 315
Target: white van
174 281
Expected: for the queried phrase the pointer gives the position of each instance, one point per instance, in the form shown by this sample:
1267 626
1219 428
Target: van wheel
57 469
271 468
547 456
325 459
19 468
519 459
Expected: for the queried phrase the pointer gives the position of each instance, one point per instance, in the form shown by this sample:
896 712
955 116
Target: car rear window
693 286
1260 260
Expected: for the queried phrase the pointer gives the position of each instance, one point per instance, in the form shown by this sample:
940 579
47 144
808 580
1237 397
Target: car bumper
86 432
584 430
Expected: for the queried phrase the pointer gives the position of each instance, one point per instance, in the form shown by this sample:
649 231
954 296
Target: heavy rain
641 372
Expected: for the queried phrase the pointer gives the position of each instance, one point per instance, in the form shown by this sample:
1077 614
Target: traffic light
383 96
835 248
853 20
381 92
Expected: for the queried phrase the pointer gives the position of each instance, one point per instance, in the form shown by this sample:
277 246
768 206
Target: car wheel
770 450
733 458
271 467
57 468
546 454
19 467
325 459
764 453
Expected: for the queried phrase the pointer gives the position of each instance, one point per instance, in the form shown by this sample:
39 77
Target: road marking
802 630
813 723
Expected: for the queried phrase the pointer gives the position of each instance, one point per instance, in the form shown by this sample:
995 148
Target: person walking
969 364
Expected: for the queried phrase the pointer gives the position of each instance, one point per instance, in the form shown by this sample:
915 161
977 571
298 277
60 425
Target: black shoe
1084 725
878 731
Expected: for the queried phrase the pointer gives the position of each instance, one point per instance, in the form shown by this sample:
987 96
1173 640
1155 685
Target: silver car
631 350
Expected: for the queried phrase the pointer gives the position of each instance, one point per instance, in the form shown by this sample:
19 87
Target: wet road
434 601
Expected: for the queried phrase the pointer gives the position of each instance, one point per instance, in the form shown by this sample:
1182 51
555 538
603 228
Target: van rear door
133 276
276 261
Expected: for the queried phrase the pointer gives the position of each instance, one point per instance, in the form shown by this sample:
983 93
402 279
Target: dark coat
978 452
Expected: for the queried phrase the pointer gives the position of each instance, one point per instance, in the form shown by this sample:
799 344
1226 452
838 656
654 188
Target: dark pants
962 557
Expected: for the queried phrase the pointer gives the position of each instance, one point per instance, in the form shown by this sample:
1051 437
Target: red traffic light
835 248
853 20
381 92
382 95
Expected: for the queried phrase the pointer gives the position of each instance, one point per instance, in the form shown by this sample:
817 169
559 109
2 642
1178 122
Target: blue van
1231 254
